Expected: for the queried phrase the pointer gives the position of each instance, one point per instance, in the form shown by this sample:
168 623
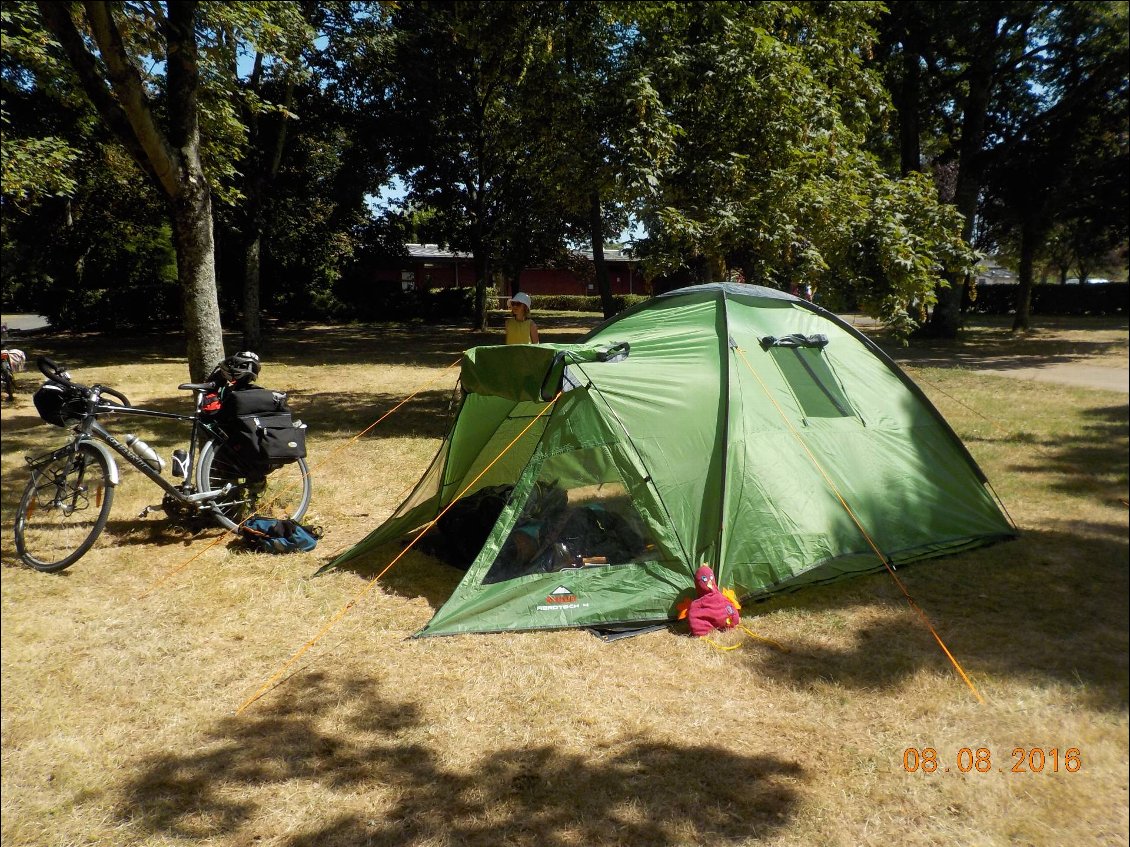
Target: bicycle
67 501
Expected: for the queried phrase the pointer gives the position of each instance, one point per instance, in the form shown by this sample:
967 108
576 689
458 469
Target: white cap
521 297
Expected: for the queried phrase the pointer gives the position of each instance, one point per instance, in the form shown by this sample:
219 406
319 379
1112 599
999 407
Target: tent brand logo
559 598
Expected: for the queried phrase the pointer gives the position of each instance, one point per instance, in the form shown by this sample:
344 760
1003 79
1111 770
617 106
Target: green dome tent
724 424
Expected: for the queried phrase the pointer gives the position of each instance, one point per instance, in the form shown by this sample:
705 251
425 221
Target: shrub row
1108 298
125 306
390 303
457 305
582 302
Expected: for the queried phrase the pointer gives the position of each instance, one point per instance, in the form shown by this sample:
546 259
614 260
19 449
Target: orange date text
981 760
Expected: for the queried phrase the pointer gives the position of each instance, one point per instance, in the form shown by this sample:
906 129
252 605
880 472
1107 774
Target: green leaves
768 109
35 168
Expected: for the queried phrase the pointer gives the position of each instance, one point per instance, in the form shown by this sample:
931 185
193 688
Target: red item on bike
211 404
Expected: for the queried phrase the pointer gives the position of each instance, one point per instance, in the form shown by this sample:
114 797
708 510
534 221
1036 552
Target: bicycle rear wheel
282 493
64 508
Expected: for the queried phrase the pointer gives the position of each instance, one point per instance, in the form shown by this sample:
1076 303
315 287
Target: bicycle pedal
145 512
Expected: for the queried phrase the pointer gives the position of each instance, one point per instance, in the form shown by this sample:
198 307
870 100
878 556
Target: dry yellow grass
118 725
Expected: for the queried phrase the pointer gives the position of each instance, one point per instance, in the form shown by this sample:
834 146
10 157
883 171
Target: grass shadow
1091 461
291 343
428 415
641 792
158 531
417 575
1073 632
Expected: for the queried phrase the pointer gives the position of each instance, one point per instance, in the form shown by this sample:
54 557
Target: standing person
6 378
519 328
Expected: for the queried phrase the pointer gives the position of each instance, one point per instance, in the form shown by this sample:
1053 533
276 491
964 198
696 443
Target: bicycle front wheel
64 508
282 493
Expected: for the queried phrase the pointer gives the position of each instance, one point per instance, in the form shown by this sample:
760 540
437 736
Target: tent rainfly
724 424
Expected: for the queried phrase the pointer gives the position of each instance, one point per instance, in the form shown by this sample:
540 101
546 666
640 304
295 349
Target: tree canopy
212 160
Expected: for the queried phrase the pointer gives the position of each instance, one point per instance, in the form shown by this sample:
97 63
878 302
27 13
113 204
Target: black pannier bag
262 433
59 405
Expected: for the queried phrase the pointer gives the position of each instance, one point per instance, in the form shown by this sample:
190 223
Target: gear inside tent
724 424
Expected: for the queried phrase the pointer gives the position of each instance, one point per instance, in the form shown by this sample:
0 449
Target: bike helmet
241 367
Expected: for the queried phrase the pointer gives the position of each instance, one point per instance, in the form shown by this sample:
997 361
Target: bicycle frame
93 432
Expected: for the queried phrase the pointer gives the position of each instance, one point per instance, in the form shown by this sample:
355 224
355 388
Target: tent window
579 515
812 381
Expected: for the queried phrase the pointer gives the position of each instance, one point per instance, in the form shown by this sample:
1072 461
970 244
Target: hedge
581 302
1108 298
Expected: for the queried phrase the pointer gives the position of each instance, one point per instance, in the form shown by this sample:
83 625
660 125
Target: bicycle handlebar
55 372
116 395
58 374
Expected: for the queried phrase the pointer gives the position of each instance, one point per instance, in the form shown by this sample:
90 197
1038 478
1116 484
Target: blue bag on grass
274 535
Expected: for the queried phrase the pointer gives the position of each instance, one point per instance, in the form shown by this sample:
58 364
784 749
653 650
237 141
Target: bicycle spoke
64 508
284 492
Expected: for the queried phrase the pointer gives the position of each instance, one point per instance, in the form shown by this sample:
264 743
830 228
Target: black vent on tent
795 340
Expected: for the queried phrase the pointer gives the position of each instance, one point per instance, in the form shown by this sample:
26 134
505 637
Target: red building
430 266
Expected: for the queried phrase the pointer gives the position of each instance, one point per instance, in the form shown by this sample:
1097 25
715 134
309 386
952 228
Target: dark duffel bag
239 402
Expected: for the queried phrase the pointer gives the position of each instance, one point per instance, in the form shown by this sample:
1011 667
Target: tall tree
266 139
159 76
1064 153
461 67
169 154
584 80
770 105
976 56
318 224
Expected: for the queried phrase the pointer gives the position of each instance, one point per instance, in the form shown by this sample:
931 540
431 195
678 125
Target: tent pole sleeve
724 361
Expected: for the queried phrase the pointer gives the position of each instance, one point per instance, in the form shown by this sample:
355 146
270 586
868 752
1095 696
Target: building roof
433 252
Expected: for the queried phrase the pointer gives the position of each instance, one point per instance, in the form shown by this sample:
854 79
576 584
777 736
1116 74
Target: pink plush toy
712 609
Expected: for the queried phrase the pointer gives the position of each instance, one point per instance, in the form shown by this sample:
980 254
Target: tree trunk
482 273
264 169
749 270
1030 238
945 320
196 271
252 332
596 229
75 249
910 146
702 270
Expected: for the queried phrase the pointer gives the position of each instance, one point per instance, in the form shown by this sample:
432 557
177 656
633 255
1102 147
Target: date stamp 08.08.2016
980 760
